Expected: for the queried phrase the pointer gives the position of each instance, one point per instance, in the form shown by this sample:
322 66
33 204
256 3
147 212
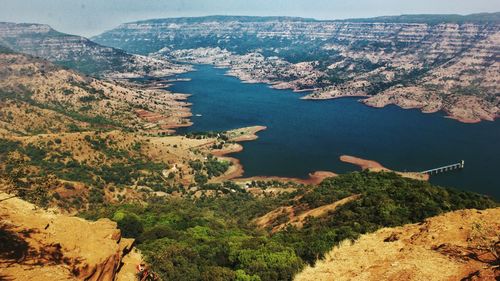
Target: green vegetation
386 200
186 240
115 168
209 169
214 239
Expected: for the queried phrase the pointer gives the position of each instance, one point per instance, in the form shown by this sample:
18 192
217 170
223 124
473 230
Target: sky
92 17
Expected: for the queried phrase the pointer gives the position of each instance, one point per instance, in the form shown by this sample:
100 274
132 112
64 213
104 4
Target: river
305 136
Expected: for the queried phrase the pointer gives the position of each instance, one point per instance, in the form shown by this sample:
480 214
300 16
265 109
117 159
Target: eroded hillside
462 245
40 97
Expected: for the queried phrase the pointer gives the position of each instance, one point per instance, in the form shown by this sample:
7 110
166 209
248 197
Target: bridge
459 165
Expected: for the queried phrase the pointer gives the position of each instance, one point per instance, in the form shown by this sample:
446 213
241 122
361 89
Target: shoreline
318 95
237 170
374 166
446 113
314 178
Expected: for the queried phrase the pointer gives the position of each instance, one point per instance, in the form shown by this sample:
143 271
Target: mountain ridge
80 53
408 18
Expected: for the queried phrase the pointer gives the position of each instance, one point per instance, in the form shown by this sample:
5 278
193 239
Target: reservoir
303 136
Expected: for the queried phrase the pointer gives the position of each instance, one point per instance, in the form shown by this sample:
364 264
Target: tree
200 178
131 226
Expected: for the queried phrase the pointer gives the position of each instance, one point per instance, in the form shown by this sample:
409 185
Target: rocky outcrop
461 245
43 245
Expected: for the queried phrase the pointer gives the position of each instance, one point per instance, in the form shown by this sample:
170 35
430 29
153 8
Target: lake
306 136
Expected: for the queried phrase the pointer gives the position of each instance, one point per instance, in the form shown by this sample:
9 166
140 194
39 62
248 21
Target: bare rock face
82 54
43 245
461 245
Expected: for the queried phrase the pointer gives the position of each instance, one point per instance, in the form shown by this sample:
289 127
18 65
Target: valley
431 63
216 148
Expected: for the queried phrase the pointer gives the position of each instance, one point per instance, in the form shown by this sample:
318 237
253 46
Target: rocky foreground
462 245
43 245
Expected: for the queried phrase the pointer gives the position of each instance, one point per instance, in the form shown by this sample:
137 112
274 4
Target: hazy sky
91 17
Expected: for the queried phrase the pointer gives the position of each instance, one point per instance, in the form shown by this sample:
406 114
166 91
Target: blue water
305 136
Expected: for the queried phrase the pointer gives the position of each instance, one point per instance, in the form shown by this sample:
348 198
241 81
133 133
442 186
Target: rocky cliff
462 245
80 53
43 245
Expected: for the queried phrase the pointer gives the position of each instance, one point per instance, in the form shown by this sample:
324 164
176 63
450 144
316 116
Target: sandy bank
237 170
314 178
237 135
374 166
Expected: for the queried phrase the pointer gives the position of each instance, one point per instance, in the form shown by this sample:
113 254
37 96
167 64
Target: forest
213 238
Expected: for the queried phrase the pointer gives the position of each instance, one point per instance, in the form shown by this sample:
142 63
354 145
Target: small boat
197 115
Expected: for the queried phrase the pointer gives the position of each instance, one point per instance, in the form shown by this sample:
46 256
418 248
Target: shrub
130 226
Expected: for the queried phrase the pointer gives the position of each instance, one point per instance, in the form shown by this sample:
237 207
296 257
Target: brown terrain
461 245
43 245
458 87
374 166
33 87
296 215
173 153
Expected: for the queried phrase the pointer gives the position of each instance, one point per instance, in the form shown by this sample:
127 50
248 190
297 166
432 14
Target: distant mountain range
416 18
479 18
147 36
79 53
